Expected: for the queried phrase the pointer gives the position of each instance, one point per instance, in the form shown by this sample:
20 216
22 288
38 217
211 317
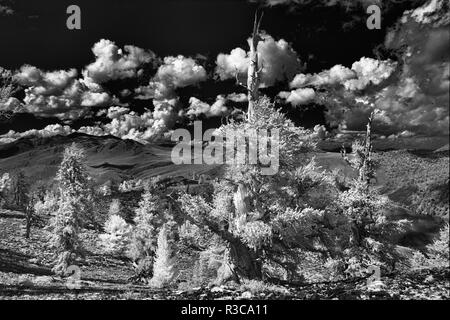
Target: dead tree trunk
366 171
29 220
240 262
254 72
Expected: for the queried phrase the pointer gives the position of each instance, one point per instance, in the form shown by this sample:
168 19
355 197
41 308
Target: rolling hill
108 158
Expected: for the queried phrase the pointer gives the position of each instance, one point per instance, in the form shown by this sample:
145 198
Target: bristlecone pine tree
149 216
7 88
116 236
264 218
164 266
22 200
73 203
371 232
6 84
270 219
5 186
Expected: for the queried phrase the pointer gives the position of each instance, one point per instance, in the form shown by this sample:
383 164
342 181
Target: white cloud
198 107
336 75
370 71
113 63
278 60
48 131
237 97
299 96
115 112
179 72
51 98
365 72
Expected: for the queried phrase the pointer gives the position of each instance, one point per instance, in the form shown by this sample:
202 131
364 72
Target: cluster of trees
249 226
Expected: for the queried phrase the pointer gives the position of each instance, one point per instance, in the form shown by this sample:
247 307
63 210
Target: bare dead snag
254 69
254 73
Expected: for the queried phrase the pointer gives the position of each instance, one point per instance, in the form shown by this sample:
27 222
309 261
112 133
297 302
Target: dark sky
323 36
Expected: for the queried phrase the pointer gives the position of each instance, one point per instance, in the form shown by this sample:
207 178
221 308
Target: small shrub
436 255
116 236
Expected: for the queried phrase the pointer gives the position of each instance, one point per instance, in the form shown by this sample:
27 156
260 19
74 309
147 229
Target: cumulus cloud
416 99
145 127
299 96
59 94
180 71
237 97
62 94
336 75
434 12
365 72
113 63
45 83
198 107
419 101
278 60
412 93
48 131
154 90
175 72
115 112
370 71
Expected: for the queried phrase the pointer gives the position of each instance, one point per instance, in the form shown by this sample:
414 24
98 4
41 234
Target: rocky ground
25 273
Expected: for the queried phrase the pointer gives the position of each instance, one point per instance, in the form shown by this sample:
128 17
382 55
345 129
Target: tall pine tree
73 206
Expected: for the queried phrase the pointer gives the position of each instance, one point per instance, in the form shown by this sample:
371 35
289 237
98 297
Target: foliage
47 206
116 236
65 234
143 242
114 207
436 254
151 214
72 208
420 183
132 185
5 187
105 189
74 181
7 84
272 218
366 209
164 266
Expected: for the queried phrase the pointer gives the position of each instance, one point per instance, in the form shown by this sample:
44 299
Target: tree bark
240 262
253 76
245 261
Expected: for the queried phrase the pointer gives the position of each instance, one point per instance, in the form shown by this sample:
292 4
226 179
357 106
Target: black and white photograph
223 155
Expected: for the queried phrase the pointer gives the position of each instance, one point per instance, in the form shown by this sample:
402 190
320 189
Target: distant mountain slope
388 144
443 149
108 158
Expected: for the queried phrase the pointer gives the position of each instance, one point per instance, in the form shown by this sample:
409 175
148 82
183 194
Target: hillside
108 158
